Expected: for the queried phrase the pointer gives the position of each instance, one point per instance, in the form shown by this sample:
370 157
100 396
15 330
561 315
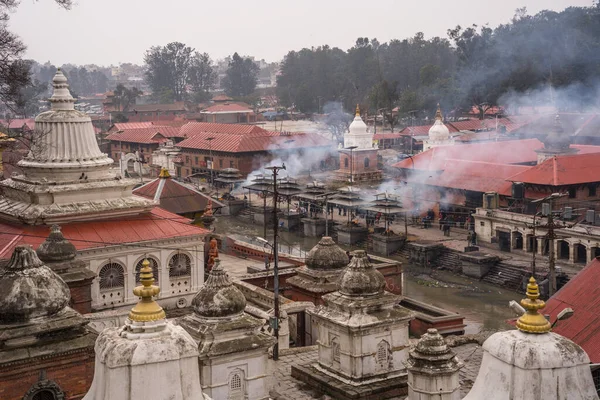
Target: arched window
44 395
153 265
236 385
112 276
346 162
367 161
335 349
180 265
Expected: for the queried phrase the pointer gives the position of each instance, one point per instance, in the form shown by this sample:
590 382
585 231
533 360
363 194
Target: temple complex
232 350
358 156
46 351
67 180
149 357
362 338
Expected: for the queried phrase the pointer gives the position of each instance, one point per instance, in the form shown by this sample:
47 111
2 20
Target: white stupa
358 134
148 358
439 134
65 177
532 362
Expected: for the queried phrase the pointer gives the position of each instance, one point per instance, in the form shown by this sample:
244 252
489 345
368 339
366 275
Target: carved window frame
45 385
101 278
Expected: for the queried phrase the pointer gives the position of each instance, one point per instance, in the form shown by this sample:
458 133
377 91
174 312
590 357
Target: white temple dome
358 126
439 131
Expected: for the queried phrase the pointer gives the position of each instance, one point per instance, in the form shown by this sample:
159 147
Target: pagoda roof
176 197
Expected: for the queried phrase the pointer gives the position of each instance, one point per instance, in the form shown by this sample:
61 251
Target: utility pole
275 169
326 196
351 148
550 226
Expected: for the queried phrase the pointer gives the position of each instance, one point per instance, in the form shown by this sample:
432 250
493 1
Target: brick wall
81 296
117 147
73 372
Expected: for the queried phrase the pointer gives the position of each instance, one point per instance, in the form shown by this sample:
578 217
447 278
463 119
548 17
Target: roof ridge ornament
532 321
164 173
357 114
147 309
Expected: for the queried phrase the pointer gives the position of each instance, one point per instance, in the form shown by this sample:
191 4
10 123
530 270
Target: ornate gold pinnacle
532 321
146 309
164 173
438 113
357 111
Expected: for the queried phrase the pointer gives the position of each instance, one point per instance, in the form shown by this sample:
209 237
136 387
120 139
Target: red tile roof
582 294
226 108
222 97
28 123
504 152
192 128
158 224
510 123
178 106
121 126
387 135
146 135
476 176
563 170
175 197
258 141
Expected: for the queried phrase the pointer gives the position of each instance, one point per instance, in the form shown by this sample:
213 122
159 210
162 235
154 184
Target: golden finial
438 113
146 309
164 173
357 111
532 321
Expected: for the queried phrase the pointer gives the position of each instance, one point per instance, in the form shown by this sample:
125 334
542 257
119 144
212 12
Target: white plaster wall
433 387
162 251
215 374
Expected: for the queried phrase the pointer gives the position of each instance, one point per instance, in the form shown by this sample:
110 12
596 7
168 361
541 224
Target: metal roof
582 294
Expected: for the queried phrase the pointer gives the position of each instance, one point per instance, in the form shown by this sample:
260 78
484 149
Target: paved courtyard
284 387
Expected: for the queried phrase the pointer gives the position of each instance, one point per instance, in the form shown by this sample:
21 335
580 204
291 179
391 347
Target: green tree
241 76
201 77
125 97
383 97
168 68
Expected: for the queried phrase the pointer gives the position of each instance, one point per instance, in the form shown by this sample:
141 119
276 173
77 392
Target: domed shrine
320 274
233 351
45 347
362 337
358 155
439 134
532 362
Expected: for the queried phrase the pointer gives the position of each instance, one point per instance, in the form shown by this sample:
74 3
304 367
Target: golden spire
438 113
164 173
357 110
532 321
146 309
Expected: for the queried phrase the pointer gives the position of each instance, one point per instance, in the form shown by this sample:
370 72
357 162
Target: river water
483 306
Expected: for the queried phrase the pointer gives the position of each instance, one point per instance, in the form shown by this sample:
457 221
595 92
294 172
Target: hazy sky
113 31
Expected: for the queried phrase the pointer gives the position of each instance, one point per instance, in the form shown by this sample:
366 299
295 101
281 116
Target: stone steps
507 276
448 260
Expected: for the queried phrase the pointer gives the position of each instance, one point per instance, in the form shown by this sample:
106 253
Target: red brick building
244 147
145 140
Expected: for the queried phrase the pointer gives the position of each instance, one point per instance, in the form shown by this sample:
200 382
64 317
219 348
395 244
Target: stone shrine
532 362
433 369
324 265
232 349
46 351
556 143
149 357
362 336
61 256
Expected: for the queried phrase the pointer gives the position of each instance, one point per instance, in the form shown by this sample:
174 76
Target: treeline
474 67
